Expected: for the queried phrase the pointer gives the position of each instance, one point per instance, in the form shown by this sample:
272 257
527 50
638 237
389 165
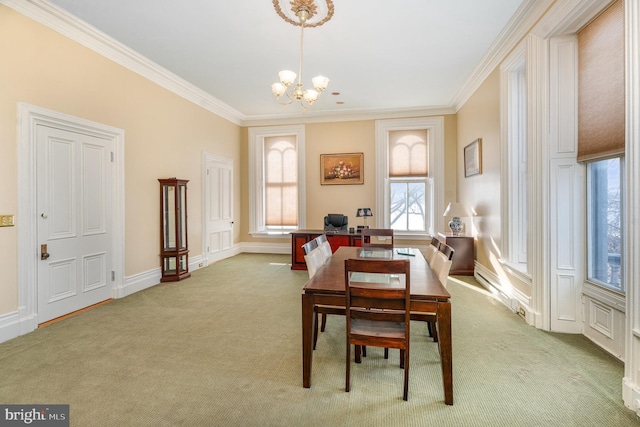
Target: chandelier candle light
304 10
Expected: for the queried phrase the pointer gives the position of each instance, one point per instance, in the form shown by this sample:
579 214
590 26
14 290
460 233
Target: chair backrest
314 259
336 222
441 266
309 246
321 239
446 250
325 249
363 298
377 238
431 250
324 246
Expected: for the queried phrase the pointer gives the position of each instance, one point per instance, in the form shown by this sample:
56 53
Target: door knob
43 252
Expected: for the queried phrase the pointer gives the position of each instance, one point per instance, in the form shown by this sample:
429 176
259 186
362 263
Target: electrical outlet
7 221
200 265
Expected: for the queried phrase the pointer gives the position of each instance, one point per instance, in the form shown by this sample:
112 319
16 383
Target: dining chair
431 250
446 250
314 260
324 246
377 238
441 265
309 246
323 310
378 309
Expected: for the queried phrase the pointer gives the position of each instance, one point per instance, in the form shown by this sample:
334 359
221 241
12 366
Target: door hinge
113 276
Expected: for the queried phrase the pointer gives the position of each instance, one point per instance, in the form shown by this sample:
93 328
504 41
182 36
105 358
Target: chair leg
430 328
348 373
315 327
405 395
324 322
357 351
386 353
434 330
364 351
402 357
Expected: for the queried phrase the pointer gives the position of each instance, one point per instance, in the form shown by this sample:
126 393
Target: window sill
606 296
271 234
518 271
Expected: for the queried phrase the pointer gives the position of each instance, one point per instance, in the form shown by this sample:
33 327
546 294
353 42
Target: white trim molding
631 381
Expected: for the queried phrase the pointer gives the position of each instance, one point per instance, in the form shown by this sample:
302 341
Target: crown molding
69 26
529 12
347 116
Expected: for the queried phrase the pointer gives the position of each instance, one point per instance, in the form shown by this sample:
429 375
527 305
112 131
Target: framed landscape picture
336 169
473 158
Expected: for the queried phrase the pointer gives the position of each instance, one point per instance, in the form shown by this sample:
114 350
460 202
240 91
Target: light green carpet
223 348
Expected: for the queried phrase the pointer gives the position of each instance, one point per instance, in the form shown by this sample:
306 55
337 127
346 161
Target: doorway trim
234 250
29 117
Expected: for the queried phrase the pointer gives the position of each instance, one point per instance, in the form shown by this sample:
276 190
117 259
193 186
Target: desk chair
377 238
336 222
378 314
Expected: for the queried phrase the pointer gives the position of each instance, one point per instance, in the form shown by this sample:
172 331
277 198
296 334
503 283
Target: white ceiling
379 54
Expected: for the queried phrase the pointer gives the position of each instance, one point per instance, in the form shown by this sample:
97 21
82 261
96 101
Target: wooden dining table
428 295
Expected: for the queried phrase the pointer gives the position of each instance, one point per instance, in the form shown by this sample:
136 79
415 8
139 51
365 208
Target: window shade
281 181
601 94
408 153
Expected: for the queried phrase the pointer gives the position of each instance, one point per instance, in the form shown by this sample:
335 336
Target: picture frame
342 169
473 158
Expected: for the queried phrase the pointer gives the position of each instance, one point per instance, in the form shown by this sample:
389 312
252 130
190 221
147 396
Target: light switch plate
6 221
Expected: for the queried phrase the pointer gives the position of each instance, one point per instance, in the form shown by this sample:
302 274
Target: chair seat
362 330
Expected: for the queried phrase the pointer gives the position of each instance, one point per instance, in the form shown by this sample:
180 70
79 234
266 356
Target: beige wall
165 135
345 137
480 118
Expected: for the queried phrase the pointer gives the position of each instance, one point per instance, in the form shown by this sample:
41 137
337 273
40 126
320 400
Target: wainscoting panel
605 326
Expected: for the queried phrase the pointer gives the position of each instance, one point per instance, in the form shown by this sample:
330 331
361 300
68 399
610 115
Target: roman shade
281 181
408 153
601 86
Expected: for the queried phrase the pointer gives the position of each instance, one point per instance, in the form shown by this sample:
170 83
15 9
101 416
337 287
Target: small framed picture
341 168
473 158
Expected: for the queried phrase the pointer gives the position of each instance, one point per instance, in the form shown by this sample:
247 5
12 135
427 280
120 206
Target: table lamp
455 210
364 212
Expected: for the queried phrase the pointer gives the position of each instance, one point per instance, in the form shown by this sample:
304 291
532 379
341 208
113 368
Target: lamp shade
456 209
287 77
364 212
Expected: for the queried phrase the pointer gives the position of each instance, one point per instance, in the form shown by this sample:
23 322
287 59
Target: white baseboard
518 302
12 325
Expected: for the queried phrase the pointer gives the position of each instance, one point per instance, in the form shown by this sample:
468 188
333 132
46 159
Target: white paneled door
219 207
74 176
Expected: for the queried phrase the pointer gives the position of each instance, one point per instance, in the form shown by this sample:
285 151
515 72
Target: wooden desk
336 240
428 295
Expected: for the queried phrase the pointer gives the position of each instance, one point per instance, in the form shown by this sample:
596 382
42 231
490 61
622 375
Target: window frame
435 131
257 227
622 290
514 164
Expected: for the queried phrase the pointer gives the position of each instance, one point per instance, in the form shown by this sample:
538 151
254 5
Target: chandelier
305 14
